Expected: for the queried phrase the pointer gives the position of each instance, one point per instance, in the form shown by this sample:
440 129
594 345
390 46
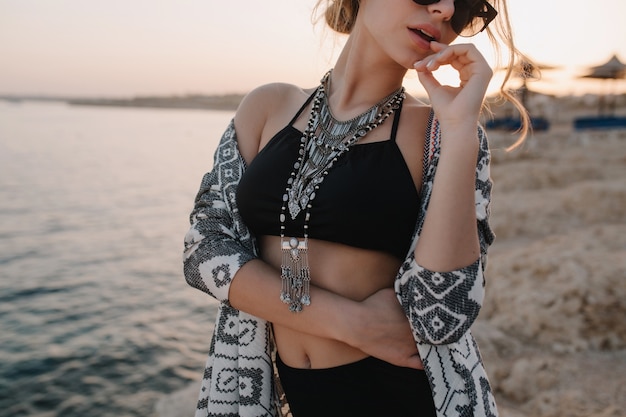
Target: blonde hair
340 16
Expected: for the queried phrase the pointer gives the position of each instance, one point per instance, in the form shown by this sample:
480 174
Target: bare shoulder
414 123
411 136
263 112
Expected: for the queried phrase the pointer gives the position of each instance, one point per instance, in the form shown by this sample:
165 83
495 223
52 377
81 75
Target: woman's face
403 29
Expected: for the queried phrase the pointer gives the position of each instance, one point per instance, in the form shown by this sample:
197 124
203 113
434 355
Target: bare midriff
351 272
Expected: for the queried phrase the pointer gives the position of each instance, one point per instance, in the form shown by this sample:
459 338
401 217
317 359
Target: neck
360 79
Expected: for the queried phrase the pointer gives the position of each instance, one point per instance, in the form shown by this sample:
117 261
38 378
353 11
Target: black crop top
367 200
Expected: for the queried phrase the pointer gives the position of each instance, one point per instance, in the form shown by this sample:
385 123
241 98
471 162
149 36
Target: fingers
428 80
415 362
404 359
473 70
386 333
458 56
398 358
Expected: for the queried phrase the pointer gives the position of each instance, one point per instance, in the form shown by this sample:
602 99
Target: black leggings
366 388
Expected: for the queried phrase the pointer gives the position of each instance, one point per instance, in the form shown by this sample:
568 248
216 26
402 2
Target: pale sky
162 47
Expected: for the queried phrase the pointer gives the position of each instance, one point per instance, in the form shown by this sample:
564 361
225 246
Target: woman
344 228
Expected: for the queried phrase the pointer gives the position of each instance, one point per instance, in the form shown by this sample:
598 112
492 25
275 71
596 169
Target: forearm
376 325
449 237
256 288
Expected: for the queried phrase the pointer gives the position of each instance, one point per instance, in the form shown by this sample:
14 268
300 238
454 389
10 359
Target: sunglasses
470 16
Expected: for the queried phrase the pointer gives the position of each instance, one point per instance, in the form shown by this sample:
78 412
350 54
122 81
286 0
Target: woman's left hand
454 105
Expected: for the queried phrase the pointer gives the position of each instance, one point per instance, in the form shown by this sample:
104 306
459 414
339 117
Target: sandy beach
553 330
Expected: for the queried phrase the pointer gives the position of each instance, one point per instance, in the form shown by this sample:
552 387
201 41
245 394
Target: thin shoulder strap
306 103
396 121
429 143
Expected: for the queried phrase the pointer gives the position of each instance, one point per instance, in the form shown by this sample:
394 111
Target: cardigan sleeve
218 243
441 306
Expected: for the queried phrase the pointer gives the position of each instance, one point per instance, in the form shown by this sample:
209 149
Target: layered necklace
323 142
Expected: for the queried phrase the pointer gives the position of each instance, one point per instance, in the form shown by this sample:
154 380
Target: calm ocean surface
96 318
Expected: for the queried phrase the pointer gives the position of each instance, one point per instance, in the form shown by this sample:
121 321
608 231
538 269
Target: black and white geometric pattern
239 378
441 307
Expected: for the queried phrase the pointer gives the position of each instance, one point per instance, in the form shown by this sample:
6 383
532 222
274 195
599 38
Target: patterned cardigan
239 378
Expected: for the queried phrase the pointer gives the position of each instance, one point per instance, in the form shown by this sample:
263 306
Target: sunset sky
162 47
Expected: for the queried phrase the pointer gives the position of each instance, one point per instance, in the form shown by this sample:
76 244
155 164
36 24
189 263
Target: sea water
96 318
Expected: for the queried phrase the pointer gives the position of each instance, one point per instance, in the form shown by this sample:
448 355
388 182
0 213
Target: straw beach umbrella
613 69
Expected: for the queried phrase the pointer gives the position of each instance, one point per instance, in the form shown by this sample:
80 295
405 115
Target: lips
427 32
425 35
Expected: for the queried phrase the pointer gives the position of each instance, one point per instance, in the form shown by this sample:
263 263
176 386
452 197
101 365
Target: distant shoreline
546 106
228 102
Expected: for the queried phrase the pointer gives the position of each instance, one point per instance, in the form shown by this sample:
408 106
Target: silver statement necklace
324 140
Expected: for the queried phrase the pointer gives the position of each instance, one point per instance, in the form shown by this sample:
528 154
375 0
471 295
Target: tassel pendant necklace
323 142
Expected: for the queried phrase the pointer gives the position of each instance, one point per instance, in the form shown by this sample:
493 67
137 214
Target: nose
444 8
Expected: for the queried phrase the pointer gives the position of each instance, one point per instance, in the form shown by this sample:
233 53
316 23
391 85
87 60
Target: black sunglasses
470 16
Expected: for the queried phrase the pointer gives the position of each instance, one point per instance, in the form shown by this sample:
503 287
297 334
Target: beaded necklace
324 140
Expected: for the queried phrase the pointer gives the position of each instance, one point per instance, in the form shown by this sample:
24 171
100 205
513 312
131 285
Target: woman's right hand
382 330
